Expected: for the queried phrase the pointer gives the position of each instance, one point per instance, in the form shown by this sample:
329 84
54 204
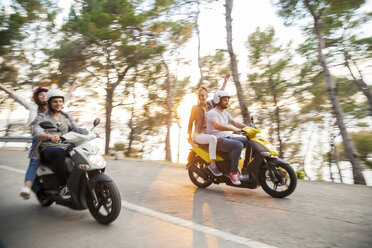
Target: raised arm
73 87
225 81
18 98
5 89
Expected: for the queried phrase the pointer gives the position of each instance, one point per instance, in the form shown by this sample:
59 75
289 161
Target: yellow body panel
266 144
250 131
241 163
204 154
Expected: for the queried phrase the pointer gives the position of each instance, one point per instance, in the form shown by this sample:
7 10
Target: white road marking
181 222
12 169
194 226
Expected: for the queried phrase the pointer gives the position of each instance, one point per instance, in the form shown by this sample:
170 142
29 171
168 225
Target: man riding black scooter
53 152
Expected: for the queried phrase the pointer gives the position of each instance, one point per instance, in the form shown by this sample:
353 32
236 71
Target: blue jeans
32 166
234 146
31 170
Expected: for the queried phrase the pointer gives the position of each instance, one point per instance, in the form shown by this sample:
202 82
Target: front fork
91 190
272 169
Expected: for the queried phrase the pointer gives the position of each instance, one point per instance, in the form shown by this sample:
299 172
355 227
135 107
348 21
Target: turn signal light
83 166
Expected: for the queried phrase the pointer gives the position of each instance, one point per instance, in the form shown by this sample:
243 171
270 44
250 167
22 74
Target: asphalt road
162 208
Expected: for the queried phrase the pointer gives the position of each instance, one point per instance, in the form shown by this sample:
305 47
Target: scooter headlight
97 160
265 154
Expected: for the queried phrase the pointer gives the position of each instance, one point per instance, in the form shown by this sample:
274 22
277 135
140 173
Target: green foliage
363 144
300 174
23 11
215 67
269 62
119 147
342 6
270 81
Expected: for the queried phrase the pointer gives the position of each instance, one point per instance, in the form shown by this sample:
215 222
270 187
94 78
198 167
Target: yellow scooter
263 168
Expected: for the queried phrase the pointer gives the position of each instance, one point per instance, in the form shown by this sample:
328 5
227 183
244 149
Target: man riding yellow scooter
260 165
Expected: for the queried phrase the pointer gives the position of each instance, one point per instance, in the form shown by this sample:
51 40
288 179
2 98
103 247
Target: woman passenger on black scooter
52 151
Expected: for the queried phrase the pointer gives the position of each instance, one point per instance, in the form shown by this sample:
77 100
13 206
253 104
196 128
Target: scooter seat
45 170
224 155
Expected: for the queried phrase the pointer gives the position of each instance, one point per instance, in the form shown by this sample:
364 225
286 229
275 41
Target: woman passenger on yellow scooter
198 119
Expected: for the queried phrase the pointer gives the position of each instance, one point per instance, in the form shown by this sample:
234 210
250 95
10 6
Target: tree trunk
330 165
234 64
349 146
110 89
131 127
131 133
109 98
337 165
277 118
198 35
362 86
170 95
179 141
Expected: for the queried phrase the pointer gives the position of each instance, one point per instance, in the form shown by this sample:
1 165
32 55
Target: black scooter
89 186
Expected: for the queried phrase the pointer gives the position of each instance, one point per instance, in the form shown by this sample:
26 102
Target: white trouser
203 138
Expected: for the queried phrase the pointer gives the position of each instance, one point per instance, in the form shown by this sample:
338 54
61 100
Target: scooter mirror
96 122
46 125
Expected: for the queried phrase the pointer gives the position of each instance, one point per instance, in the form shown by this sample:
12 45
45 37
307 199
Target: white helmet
53 93
218 95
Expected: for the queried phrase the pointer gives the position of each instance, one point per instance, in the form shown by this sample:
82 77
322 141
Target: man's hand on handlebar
54 138
237 130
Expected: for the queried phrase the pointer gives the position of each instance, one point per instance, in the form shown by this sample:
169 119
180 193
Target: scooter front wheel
279 181
108 205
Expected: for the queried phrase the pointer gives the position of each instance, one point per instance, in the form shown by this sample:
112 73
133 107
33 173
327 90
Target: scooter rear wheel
42 197
44 200
108 207
197 179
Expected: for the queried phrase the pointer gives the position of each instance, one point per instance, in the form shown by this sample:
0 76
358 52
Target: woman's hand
225 81
76 83
227 77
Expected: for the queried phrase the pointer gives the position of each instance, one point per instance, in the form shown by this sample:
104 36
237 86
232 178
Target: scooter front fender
99 177
276 161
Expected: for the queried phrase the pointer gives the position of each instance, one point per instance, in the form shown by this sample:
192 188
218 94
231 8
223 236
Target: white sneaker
25 192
